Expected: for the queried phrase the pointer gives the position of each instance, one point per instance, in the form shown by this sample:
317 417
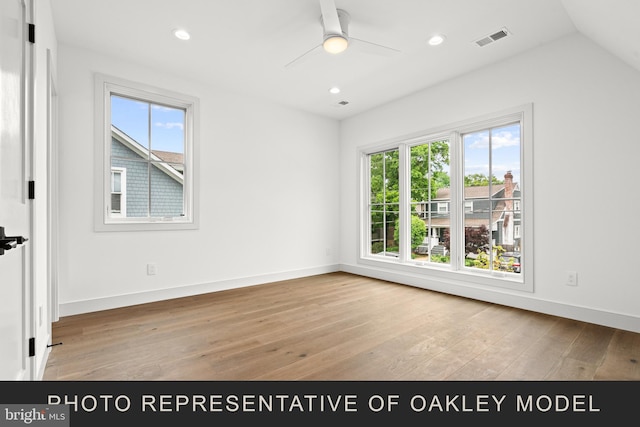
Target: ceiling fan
336 38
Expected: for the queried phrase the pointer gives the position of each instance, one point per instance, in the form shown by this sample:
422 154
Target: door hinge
32 190
32 33
32 346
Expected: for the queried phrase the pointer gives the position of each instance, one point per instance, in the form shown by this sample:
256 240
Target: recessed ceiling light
182 34
334 90
436 40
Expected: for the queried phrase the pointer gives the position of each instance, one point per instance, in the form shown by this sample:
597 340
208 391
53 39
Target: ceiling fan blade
330 20
373 48
302 58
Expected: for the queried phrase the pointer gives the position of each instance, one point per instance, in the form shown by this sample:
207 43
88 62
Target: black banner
204 403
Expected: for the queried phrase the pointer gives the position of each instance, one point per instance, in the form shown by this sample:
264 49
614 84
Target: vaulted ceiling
245 45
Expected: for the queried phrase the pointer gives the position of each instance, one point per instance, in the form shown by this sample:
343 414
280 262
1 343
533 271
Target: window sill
466 277
147 225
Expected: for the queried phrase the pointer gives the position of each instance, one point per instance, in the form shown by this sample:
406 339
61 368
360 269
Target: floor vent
492 37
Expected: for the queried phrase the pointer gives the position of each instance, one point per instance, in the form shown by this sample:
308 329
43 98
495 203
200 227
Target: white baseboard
525 302
98 304
498 296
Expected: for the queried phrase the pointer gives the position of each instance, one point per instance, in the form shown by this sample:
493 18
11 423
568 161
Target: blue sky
167 124
504 149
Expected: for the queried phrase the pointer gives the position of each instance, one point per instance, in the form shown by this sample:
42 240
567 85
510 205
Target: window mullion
456 232
404 200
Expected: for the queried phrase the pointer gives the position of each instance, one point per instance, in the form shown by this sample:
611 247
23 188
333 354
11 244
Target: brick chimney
508 185
507 225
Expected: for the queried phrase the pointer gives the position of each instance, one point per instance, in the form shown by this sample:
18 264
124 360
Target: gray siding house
144 183
497 207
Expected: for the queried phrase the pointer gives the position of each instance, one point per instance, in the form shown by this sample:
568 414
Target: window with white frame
468 206
452 202
146 164
118 192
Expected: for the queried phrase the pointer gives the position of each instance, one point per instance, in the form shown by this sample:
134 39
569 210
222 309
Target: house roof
169 157
477 192
143 152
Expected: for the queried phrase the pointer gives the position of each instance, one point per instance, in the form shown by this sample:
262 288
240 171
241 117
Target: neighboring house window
118 192
468 206
146 149
451 202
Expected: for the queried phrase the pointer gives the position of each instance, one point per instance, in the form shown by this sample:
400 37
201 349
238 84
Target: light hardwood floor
336 326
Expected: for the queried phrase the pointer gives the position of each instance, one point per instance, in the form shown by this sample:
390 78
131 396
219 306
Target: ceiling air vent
492 37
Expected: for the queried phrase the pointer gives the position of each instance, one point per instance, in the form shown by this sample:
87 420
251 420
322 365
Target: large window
452 203
145 157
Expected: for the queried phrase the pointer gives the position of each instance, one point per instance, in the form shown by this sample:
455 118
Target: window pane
166 191
137 186
378 231
383 207
376 180
430 189
116 186
167 131
116 203
476 158
131 117
492 170
506 146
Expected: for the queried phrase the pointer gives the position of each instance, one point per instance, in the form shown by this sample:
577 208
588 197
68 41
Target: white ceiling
244 45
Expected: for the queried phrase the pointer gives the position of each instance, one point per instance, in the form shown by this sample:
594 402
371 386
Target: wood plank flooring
335 326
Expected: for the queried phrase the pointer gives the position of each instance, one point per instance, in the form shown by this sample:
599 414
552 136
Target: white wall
269 188
586 149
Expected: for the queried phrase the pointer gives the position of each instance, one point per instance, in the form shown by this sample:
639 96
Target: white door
15 269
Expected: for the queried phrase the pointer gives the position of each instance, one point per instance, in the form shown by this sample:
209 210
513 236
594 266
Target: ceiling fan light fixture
335 44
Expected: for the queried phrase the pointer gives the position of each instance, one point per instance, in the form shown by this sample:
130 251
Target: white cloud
505 139
170 125
499 140
162 108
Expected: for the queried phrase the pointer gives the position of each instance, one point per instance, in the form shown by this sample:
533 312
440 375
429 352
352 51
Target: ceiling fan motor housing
344 19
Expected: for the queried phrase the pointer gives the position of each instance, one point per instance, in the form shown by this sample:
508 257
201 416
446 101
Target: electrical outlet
571 278
152 269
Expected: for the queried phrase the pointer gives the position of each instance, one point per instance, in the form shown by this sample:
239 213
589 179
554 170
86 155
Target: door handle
9 242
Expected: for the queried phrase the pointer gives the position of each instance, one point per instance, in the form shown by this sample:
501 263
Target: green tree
418 231
480 180
428 174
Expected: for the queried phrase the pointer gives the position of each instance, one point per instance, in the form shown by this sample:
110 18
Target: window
451 202
118 192
468 206
146 161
